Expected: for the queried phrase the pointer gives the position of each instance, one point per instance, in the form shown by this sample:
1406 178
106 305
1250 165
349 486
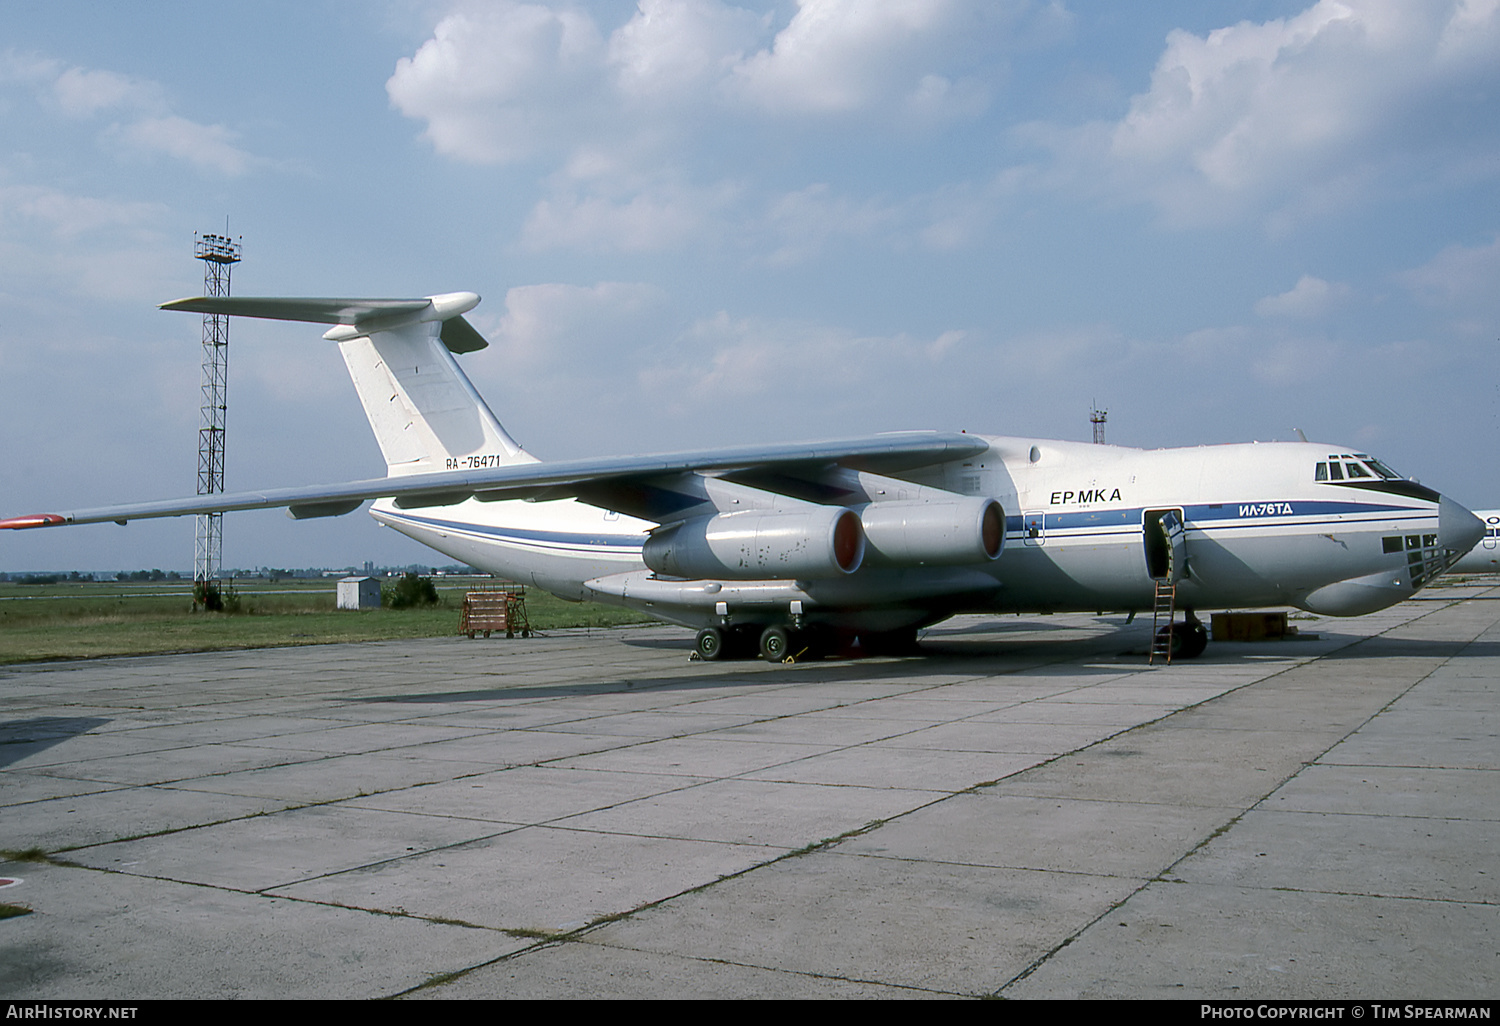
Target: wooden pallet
495 609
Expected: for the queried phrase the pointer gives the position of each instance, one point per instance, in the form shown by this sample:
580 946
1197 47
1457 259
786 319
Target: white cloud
500 83
722 361
1292 114
497 83
651 220
1293 362
842 56
673 49
555 326
66 215
1458 277
781 229
801 223
566 358
642 128
1310 297
207 147
144 120
53 241
561 361
1460 283
82 92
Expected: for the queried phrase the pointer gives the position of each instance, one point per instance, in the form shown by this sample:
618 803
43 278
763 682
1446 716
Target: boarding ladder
1165 612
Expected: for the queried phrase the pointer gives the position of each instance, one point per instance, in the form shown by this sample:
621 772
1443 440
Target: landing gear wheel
1194 639
710 643
775 643
1188 639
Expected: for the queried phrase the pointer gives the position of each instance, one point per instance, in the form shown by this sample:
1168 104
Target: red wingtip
33 520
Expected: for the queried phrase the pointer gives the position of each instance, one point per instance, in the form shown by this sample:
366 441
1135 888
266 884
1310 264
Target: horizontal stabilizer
363 315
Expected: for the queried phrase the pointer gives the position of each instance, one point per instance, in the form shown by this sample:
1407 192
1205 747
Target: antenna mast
1097 417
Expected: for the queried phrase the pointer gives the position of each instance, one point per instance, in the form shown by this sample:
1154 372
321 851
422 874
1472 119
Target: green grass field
79 620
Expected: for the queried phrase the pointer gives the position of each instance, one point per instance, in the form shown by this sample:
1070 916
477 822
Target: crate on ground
1251 626
498 608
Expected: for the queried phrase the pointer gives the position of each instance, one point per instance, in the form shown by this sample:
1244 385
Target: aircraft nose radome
1458 529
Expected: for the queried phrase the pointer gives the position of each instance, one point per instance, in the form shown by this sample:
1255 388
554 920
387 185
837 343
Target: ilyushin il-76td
854 544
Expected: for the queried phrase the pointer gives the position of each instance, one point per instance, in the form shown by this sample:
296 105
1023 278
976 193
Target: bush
215 599
409 591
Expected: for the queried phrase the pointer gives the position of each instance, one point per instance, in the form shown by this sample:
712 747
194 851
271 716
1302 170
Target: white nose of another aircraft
1458 529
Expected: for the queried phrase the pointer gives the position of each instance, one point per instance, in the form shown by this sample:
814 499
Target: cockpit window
1354 467
1380 468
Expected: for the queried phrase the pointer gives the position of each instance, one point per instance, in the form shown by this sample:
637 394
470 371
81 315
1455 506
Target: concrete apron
1324 827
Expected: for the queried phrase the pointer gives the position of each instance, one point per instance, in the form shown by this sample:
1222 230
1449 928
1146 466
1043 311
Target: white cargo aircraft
1483 558
784 548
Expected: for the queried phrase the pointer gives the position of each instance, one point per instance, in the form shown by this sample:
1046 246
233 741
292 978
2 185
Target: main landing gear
739 642
777 642
1187 639
773 644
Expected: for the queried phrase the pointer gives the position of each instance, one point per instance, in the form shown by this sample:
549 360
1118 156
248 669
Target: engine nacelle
954 532
754 545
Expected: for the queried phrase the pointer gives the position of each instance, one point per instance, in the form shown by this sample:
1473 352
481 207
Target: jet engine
818 542
952 532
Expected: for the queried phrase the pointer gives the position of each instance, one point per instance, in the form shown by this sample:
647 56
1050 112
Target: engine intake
825 541
953 532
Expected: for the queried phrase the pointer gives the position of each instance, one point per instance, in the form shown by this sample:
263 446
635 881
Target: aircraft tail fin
424 411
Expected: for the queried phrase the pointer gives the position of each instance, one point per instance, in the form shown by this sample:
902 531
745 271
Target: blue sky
702 222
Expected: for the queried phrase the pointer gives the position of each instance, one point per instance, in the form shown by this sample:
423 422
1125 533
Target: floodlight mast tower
219 255
1097 417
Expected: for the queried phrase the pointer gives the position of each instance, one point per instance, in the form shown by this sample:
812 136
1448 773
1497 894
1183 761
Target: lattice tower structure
1097 418
219 254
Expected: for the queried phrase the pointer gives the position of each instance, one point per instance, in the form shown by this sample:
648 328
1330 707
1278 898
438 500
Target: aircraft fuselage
1262 525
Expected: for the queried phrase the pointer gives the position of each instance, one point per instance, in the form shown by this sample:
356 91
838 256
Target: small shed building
359 593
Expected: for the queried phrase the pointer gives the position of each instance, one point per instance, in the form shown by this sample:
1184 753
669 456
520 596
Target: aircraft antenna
1097 417
219 254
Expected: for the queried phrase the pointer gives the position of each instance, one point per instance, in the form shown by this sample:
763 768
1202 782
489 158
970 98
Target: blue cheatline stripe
1226 515
519 535
1082 524
1308 508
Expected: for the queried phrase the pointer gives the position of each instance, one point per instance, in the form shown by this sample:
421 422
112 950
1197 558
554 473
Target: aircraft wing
885 453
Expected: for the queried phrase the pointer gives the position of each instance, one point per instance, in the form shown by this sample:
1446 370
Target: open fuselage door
1164 535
